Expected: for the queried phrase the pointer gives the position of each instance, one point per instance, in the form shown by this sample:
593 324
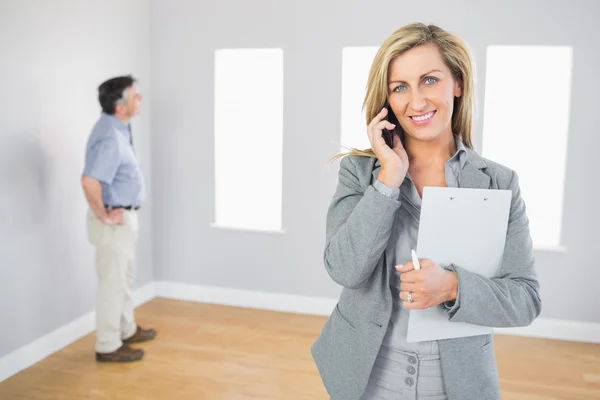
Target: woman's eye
429 80
400 88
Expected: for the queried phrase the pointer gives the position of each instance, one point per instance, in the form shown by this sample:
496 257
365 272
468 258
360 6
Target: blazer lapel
471 175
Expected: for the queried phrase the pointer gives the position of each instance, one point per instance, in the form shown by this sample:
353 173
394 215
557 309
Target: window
248 138
525 127
356 63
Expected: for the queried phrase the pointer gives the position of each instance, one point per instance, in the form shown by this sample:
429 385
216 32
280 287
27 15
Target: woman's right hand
394 162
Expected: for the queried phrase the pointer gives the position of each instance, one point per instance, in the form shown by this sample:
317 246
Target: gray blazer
359 225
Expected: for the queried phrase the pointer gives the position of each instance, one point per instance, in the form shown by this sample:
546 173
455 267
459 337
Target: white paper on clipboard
465 227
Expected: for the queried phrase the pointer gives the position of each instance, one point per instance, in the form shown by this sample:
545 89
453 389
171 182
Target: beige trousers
115 254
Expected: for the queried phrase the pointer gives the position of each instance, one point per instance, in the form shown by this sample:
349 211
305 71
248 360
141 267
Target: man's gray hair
123 99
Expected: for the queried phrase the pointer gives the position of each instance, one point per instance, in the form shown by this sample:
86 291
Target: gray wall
312 33
54 55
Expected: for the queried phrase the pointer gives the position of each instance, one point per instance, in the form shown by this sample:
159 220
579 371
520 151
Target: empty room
299 200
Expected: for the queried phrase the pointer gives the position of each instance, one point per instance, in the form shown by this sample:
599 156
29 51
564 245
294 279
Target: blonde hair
456 56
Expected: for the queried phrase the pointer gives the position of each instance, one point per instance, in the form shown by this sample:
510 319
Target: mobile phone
388 135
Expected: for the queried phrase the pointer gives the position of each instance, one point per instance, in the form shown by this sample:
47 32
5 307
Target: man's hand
115 217
430 286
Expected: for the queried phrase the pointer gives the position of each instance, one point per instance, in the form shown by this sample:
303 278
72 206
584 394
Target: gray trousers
399 375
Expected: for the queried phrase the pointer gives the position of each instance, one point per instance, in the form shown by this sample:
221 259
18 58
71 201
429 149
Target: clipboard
461 226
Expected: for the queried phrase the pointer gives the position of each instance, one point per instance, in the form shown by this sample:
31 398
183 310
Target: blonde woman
425 75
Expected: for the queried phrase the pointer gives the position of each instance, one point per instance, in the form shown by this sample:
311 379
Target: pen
415 260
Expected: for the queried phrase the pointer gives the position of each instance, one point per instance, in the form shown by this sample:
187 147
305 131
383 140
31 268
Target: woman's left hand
430 286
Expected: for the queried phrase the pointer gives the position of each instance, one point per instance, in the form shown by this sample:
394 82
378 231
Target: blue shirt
110 158
403 239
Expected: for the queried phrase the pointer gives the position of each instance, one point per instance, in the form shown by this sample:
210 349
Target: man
114 188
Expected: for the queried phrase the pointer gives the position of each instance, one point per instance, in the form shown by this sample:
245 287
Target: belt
123 207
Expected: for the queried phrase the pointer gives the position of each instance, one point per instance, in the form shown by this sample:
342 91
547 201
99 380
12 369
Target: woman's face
421 93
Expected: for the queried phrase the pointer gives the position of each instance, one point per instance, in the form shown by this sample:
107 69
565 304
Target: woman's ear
457 88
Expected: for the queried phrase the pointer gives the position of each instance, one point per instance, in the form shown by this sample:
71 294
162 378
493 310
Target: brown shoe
122 355
141 335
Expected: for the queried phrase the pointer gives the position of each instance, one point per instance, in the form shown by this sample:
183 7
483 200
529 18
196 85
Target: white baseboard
60 338
547 328
541 328
246 298
144 294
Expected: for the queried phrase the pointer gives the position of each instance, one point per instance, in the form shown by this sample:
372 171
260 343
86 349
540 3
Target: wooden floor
224 353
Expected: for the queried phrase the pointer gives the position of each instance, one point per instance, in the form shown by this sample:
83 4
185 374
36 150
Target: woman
425 75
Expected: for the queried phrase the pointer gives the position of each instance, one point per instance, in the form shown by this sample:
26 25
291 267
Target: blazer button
411 370
412 360
409 381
